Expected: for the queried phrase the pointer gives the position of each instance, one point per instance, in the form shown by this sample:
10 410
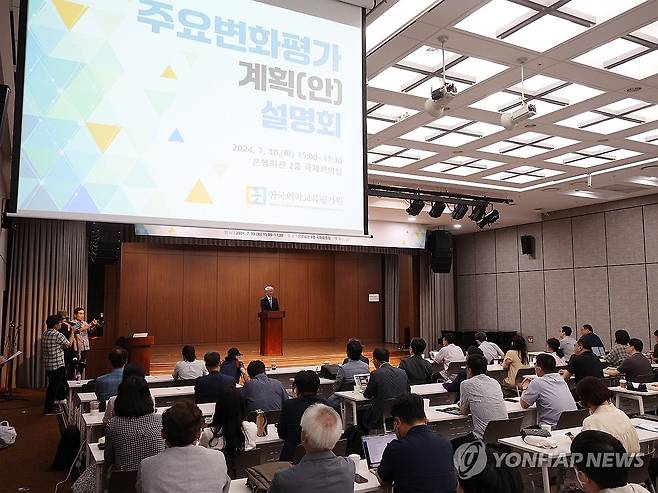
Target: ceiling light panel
464 171
387 149
523 179
439 167
425 89
639 68
545 33
421 134
601 56
648 32
454 139
395 79
428 58
396 162
392 112
600 10
417 154
489 19
650 137
375 126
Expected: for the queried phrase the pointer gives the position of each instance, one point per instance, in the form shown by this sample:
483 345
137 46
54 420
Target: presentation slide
236 114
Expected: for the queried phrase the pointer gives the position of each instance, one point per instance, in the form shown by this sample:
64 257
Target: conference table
647 432
633 395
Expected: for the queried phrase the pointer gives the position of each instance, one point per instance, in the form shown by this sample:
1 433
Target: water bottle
77 376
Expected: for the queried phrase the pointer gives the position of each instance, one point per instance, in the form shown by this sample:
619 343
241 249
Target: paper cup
356 458
546 427
426 404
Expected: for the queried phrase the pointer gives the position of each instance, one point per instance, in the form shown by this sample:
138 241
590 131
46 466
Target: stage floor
164 357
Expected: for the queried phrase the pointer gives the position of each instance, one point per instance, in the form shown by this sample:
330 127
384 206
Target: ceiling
590 67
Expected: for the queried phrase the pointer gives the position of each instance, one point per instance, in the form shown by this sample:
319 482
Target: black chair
122 482
501 428
340 449
455 367
571 419
237 468
520 377
272 416
387 404
640 474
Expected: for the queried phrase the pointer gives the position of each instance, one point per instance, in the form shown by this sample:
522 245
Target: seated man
567 343
491 350
418 369
386 382
108 384
549 391
209 387
419 460
455 385
319 469
306 388
449 353
182 466
583 363
617 353
354 366
601 463
636 367
481 397
262 392
594 341
362 358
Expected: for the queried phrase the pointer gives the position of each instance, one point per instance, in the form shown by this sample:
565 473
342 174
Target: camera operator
69 353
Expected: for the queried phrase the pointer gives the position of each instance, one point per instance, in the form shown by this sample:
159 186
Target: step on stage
164 357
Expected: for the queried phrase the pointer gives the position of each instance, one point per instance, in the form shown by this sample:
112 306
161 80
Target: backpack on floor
67 449
7 434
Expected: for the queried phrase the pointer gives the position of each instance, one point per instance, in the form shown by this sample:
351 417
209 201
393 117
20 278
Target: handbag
261 423
260 477
7 434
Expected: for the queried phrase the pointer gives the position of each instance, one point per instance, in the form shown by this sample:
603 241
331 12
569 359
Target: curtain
437 303
391 299
48 273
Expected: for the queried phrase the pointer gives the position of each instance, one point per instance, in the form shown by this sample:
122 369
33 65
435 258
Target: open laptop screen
374 445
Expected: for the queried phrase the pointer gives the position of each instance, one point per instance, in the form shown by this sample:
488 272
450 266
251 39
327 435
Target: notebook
374 446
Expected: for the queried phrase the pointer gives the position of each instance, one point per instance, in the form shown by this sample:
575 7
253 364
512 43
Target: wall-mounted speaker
527 245
439 244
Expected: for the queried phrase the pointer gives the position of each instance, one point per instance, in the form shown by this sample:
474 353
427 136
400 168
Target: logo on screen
470 459
256 195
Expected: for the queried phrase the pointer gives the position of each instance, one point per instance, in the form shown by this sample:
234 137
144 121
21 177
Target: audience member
449 353
319 470
595 396
419 460
183 467
232 366
108 384
229 431
601 464
134 432
595 343
553 348
494 478
549 391
491 350
515 359
454 386
53 344
69 352
262 392
481 397
654 355
190 367
130 370
617 353
353 366
386 382
418 369
362 358
208 388
584 363
567 343
306 387
636 367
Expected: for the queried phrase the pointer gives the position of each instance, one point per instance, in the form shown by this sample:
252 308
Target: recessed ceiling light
634 89
550 189
457 152
531 125
411 218
457 226
603 140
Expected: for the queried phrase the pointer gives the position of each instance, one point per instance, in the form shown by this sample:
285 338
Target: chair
520 377
340 449
501 428
122 482
387 404
455 367
237 468
272 416
571 419
640 474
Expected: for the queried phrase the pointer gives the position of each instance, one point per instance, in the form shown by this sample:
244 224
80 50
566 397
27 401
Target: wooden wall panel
133 292
371 319
263 270
293 296
234 305
346 308
199 297
164 302
321 298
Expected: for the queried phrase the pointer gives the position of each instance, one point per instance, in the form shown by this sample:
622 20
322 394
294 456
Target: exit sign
531 339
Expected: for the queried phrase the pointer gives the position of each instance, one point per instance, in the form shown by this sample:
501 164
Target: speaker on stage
439 245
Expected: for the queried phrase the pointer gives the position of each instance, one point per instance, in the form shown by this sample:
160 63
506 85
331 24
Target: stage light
415 207
437 209
490 218
478 212
459 211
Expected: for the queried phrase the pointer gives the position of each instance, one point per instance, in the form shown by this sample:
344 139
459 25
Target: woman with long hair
515 359
553 348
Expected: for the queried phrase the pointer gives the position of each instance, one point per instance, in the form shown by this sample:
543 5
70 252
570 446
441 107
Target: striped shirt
52 345
128 440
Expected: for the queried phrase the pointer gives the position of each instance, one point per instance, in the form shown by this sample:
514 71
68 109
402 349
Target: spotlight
459 211
437 209
415 207
490 218
477 212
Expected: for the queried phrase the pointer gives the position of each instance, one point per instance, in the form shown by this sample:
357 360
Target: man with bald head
269 302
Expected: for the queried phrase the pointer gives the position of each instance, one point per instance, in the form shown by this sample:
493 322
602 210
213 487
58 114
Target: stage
164 357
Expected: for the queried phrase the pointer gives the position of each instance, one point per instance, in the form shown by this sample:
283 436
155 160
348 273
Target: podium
271 333
140 351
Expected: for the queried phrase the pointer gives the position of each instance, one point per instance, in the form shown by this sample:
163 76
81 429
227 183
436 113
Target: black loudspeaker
439 246
527 245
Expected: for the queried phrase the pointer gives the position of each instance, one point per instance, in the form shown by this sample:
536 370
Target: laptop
373 446
599 351
361 382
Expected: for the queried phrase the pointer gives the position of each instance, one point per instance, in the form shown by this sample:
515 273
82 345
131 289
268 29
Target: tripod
11 346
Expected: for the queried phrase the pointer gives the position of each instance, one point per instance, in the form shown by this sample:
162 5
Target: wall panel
650 213
487 312
507 250
507 289
164 301
466 303
589 240
465 258
624 236
199 297
292 289
652 286
560 299
346 309
533 316
628 300
133 292
485 253
371 322
592 301
234 303
558 253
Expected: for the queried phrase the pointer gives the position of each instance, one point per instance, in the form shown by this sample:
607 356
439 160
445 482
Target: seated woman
135 432
232 366
130 370
190 368
595 396
229 431
553 348
515 359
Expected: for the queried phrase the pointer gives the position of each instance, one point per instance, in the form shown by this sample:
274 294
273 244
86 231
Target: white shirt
629 488
491 351
611 420
248 428
446 355
189 370
558 361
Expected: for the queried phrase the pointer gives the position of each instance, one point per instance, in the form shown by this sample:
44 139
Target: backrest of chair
339 450
122 482
237 468
501 428
387 404
571 419
522 373
455 367
272 416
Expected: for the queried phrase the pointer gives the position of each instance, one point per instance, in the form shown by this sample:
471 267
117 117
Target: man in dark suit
306 387
417 368
386 382
208 388
269 303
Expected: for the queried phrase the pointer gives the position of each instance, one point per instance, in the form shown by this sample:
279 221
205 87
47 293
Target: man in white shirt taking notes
449 353
491 350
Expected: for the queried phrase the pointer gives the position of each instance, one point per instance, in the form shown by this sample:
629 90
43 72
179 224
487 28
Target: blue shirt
264 393
107 385
420 462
